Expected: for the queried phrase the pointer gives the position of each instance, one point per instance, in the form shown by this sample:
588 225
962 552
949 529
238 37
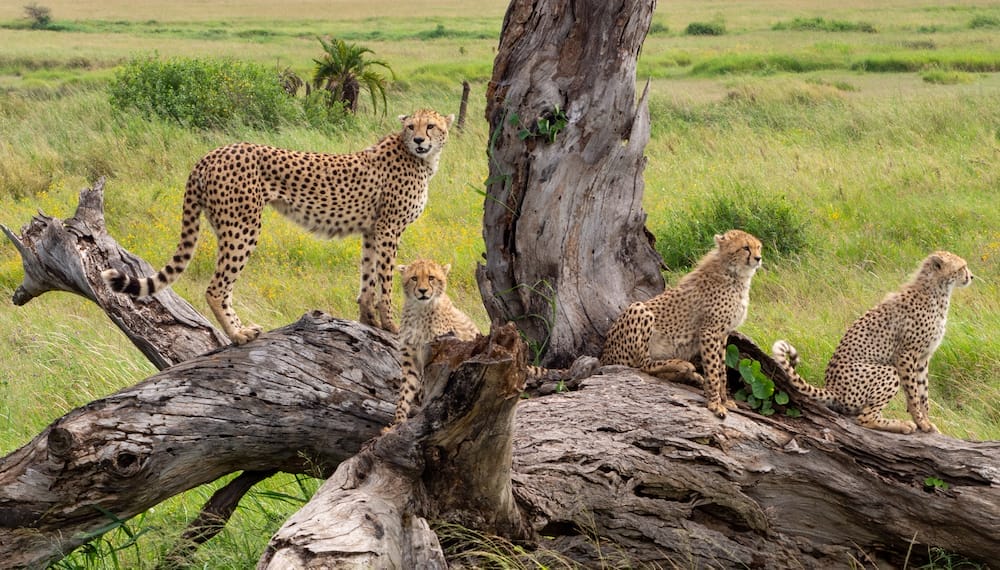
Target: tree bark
624 467
563 214
301 399
69 255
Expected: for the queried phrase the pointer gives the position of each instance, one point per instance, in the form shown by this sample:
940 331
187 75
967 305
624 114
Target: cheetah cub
427 314
376 192
890 344
662 335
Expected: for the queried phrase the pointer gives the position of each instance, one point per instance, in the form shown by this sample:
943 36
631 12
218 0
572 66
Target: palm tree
344 72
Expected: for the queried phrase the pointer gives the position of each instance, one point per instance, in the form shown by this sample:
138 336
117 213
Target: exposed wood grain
299 399
563 218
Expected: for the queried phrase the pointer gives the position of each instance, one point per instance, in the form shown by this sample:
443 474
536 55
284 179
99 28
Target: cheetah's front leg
386 244
713 362
914 380
369 274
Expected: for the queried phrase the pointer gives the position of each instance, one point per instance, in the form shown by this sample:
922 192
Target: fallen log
625 466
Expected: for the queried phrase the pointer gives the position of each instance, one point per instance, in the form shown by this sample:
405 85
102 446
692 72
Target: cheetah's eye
746 247
414 278
409 127
430 126
431 278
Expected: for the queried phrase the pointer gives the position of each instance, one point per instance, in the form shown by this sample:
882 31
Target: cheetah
889 345
662 335
429 313
376 192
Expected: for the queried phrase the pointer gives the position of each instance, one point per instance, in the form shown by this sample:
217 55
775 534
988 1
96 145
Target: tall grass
851 177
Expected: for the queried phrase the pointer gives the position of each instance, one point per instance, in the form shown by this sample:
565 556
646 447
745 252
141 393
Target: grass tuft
819 24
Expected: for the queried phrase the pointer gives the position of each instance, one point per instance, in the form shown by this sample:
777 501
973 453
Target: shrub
658 29
705 29
984 22
823 25
204 93
943 77
769 218
40 16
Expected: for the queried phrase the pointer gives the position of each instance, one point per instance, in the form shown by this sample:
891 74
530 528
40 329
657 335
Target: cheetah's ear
447 268
400 268
402 118
935 261
449 119
719 238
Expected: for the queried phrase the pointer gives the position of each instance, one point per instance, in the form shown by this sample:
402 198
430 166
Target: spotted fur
891 344
376 192
662 335
429 313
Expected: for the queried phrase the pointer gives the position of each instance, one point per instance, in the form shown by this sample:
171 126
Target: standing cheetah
662 335
376 192
890 344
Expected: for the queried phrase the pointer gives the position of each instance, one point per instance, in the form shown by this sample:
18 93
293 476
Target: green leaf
781 398
763 387
754 402
732 356
793 412
740 395
936 483
746 371
767 411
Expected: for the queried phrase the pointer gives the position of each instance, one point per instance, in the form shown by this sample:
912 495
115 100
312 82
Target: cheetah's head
739 251
946 268
424 280
425 132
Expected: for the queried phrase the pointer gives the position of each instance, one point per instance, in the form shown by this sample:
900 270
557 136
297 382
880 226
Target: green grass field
858 137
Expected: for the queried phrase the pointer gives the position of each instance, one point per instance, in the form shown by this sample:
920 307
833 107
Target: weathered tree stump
566 245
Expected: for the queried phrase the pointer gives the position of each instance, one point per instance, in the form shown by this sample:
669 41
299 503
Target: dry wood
563 217
300 399
451 462
69 255
635 466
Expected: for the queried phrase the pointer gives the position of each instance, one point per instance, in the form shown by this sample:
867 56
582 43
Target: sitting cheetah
429 313
660 336
890 344
376 192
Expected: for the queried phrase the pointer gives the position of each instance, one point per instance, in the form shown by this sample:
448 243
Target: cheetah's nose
423 292
418 140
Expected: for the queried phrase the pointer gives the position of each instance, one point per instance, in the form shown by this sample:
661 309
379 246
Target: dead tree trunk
165 327
563 215
624 467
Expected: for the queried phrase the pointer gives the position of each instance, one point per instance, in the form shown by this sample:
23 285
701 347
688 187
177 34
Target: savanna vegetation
853 139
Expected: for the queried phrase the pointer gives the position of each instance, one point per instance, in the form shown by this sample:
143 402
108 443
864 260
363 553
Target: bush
984 22
769 218
40 16
204 93
705 29
823 25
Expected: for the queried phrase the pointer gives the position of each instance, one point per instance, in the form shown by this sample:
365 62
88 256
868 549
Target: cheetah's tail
145 286
788 358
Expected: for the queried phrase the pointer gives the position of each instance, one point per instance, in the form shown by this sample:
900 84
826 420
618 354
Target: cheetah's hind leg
873 419
675 370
